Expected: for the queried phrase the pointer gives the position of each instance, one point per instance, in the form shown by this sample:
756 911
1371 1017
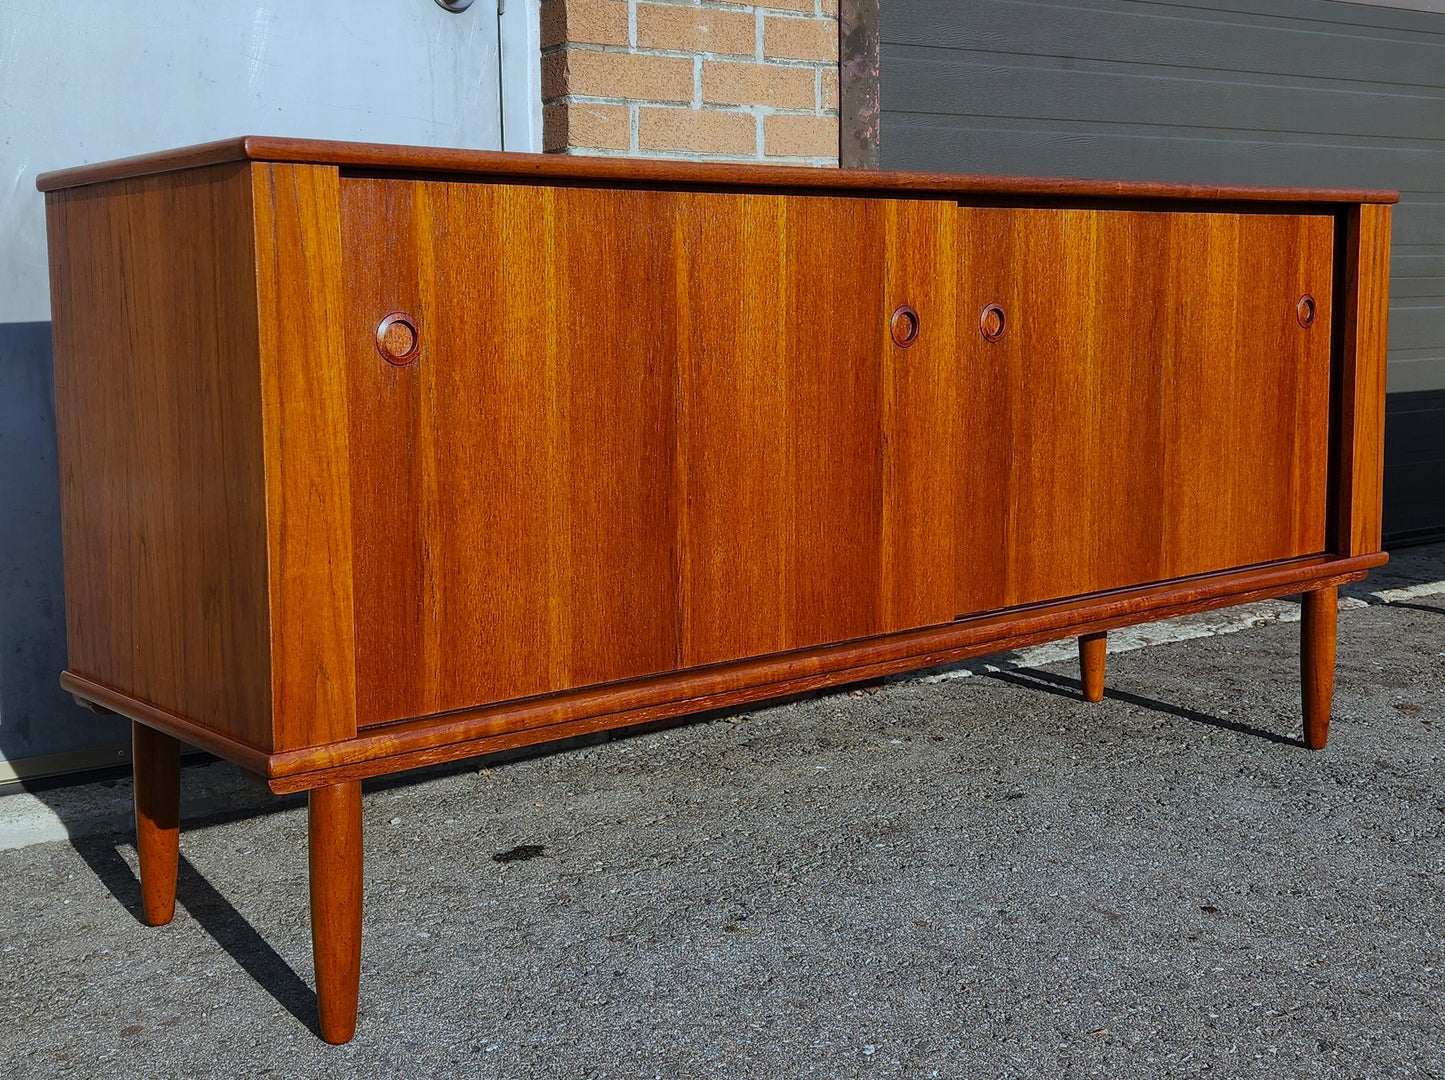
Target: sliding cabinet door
945 419
779 337
512 482
1166 395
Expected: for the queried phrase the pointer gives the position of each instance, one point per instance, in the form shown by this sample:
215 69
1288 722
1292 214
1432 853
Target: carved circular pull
1304 310
397 338
905 326
992 322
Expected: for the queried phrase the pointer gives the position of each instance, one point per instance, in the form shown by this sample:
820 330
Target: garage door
1295 92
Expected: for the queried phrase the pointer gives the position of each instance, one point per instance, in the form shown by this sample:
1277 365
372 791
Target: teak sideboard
374 457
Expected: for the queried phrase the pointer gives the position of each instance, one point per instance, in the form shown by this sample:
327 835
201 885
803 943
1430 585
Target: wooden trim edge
431 740
1360 449
185 157
493 164
243 754
411 744
300 274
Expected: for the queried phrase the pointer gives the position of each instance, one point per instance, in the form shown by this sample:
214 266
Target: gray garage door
1298 92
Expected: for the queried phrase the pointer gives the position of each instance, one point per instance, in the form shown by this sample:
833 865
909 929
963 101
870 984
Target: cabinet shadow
216 916
1065 686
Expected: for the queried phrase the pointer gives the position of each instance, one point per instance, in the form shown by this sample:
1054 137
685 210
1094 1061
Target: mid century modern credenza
374 457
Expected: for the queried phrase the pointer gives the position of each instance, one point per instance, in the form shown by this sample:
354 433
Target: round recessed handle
991 322
397 338
904 326
1304 310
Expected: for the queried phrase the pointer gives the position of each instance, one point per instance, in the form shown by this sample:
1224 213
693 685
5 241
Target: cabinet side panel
158 412
308 497
1362 420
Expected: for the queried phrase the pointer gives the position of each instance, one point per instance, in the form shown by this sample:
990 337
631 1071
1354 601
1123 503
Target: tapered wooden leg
1092 650
157 761
1317 663
335 846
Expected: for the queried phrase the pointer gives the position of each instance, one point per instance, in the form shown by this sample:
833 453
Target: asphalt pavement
971 873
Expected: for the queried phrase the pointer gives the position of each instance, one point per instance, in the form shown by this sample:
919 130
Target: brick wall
702 80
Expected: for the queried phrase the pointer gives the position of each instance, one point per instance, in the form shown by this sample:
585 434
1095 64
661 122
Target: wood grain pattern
1164 384
1093 656
158 411
945 449
1319 619
1357 527
779 403
110 699
156 759
467 733
700 445
335 861
430 740
1246 415
1081 350
513 504
308 505
1095 89
657 451
413 160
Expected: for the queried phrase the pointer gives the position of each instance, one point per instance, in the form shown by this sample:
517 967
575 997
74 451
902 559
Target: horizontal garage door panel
1290 92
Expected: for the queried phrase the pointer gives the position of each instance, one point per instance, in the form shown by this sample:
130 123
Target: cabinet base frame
334 830
432 740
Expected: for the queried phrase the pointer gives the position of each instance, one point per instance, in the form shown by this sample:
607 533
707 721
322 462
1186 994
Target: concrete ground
941 876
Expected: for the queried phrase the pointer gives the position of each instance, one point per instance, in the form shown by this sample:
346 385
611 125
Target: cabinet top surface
489 164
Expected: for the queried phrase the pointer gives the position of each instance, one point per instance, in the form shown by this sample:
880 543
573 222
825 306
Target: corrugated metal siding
1313 92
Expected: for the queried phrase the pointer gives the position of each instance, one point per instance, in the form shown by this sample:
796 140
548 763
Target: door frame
519 47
